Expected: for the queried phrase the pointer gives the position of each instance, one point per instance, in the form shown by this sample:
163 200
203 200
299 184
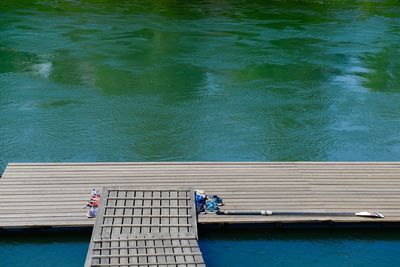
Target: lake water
272 248
101 80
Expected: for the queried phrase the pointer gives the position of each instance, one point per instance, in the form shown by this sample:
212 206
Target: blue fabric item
211 206
200 202
217 199
205 204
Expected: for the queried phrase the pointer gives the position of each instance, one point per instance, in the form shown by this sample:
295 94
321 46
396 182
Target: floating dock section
145 227
54 194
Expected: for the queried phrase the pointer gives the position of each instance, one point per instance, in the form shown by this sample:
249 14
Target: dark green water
202 80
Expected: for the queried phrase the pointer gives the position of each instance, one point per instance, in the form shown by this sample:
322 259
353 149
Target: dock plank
311 186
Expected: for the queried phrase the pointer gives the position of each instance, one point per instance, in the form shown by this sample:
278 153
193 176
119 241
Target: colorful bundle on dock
93 204
207 204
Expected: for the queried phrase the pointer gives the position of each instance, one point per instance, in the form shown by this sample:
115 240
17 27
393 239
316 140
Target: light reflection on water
236 80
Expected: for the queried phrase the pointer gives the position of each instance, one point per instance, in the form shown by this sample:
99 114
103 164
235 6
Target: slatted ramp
145 227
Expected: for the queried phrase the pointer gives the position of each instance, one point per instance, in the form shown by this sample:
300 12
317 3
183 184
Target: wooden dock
53 195
145 227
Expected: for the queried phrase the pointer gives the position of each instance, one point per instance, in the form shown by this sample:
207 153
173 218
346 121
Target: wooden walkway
145 227
34 195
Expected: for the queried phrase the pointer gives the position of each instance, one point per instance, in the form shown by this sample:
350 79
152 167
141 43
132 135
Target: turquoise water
98 80
44 249
286 247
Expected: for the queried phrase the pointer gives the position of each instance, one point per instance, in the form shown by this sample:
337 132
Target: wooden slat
31 194
127 232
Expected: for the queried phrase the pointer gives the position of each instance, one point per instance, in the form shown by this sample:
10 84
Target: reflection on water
226 80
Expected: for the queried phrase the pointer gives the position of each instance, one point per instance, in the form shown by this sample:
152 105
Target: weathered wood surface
127 234
54 194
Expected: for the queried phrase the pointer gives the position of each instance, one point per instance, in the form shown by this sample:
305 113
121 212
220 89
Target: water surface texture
97 80
217 80
301 248
272 248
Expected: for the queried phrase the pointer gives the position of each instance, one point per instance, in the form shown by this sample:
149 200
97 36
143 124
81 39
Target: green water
201 80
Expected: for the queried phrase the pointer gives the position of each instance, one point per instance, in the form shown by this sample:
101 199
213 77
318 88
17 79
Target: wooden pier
54 195
145 227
